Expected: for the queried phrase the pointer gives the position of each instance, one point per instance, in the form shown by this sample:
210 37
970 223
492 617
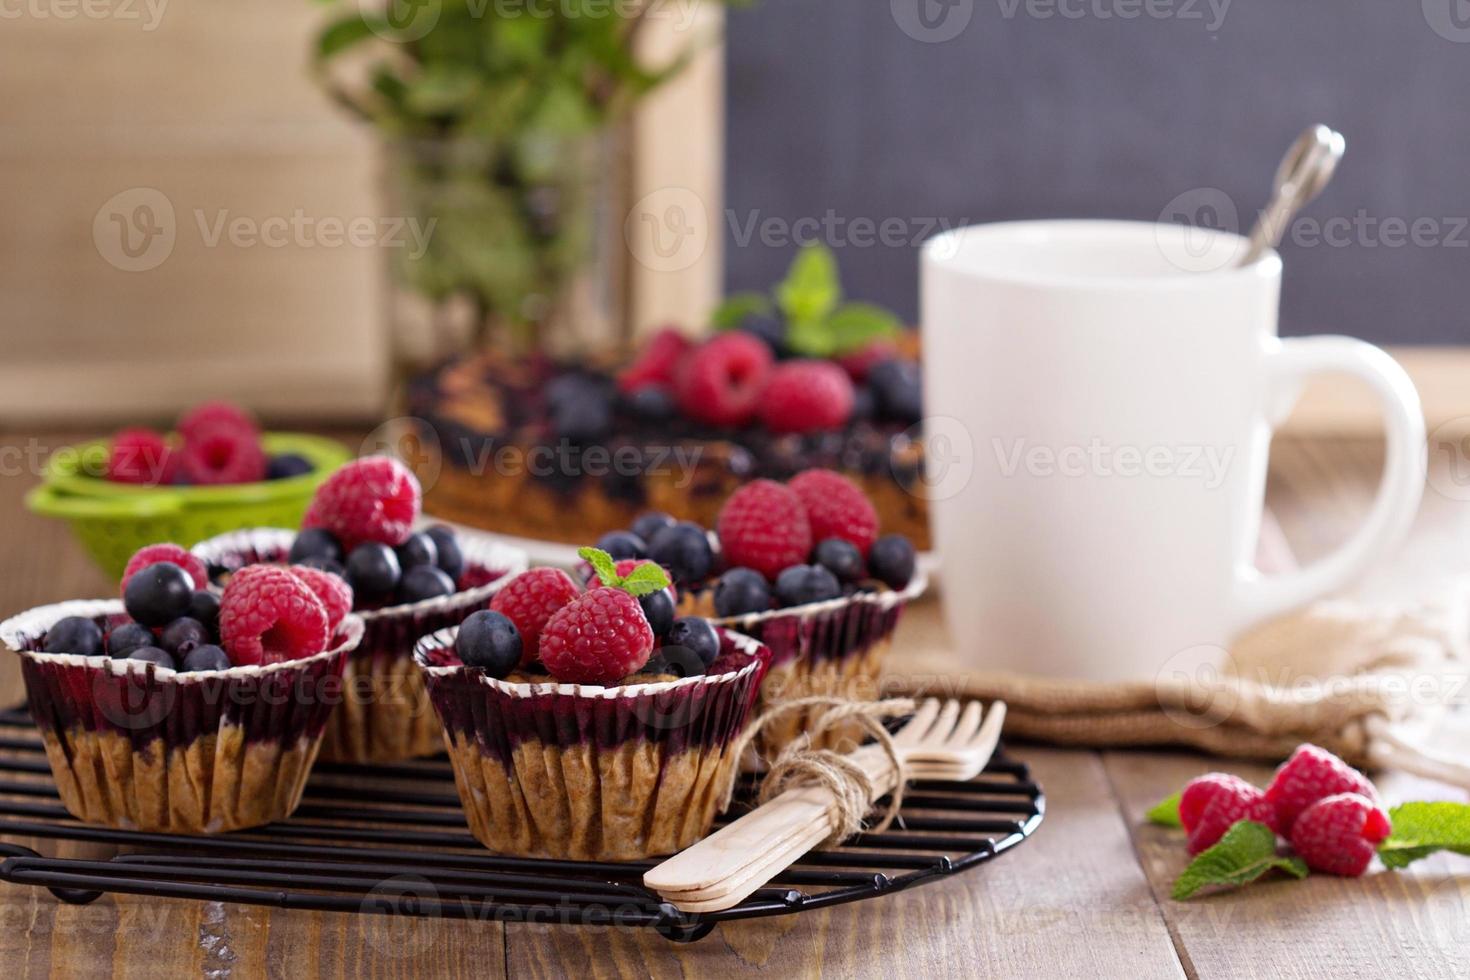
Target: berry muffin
359 536
803 568
178 709
576 730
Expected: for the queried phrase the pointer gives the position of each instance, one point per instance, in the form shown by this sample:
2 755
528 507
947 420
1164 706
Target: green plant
498 110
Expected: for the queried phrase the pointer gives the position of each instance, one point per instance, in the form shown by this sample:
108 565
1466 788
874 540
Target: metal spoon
1303 173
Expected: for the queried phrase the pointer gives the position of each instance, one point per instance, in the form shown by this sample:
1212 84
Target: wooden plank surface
1086 897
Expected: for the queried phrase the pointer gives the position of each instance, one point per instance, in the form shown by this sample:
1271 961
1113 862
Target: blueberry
841 558
801 584
658 609
326 565
684 550
128 637
650 523
206 657
489 640
651 403
159 594
153 655
572 387
315 542
675 660
740 591
897 391
451 558
768 329
694 634
424 582
864 404
892 560
75 634
287 465
583 419
183 635
373 570
419 549
622 544
204 606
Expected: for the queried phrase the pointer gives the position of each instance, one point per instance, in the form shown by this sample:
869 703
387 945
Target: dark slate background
836 108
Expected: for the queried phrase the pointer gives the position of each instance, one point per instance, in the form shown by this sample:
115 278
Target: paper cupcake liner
592 773
143 747
385 714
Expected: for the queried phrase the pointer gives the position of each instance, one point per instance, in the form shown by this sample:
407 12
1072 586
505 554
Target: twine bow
798 764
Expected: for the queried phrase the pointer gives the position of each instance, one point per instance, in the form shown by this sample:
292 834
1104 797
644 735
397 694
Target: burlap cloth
1369 683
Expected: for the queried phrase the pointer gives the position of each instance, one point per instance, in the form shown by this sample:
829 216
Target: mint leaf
854 326
739 307
810 338
602 563
646 579
1247 851
1421 829
810 291
1165 813
351 30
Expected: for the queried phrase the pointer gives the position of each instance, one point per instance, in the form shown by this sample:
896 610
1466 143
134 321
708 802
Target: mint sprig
644 579
1422 829
1245 853
1165 813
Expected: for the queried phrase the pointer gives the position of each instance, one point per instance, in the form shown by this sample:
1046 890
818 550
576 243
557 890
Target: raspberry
532 598
154 553
657 363
858 363
140 456
836 507
1339 834
335 594
212 415
807 396
1211 805
721 381
221 454
763 526
375 498
268 615
599 638
1309 775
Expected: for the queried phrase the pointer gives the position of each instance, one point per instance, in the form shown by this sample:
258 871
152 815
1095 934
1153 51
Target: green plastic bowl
114 520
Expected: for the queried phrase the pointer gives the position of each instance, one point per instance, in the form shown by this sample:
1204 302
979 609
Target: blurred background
198 204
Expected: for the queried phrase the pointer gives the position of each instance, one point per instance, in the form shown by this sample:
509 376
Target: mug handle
1288 363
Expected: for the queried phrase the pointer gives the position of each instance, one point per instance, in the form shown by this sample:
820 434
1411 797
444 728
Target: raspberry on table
807 396
375 498
658 363
836 507
1213 803
1311 774
764 526
223 454
216 414
141 456
721 382
530 600
335 594
169 552
599 638
268 615
1339 834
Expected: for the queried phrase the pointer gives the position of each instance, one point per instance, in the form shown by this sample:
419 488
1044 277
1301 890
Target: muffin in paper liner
384 715
833 648
592 773
142 747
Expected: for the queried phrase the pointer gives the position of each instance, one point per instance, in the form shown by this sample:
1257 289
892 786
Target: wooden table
1088 896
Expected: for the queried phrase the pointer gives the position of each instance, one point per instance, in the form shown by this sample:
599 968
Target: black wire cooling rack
391 839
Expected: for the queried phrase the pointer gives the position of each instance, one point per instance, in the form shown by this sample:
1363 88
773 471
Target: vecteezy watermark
836 230
1210 13
405 21
1450 19
668 230
148 14
1206 464
932 21
136 230
1449 459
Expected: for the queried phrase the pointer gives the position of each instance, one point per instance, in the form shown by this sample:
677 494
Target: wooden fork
944 740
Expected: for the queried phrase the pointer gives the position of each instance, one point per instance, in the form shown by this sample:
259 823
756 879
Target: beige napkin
1368 683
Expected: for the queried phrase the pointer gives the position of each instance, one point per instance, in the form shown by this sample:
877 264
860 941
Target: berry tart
581 727
358 546
180 709
562 451
800 566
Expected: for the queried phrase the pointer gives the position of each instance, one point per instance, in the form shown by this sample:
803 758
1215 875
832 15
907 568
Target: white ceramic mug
1117 383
